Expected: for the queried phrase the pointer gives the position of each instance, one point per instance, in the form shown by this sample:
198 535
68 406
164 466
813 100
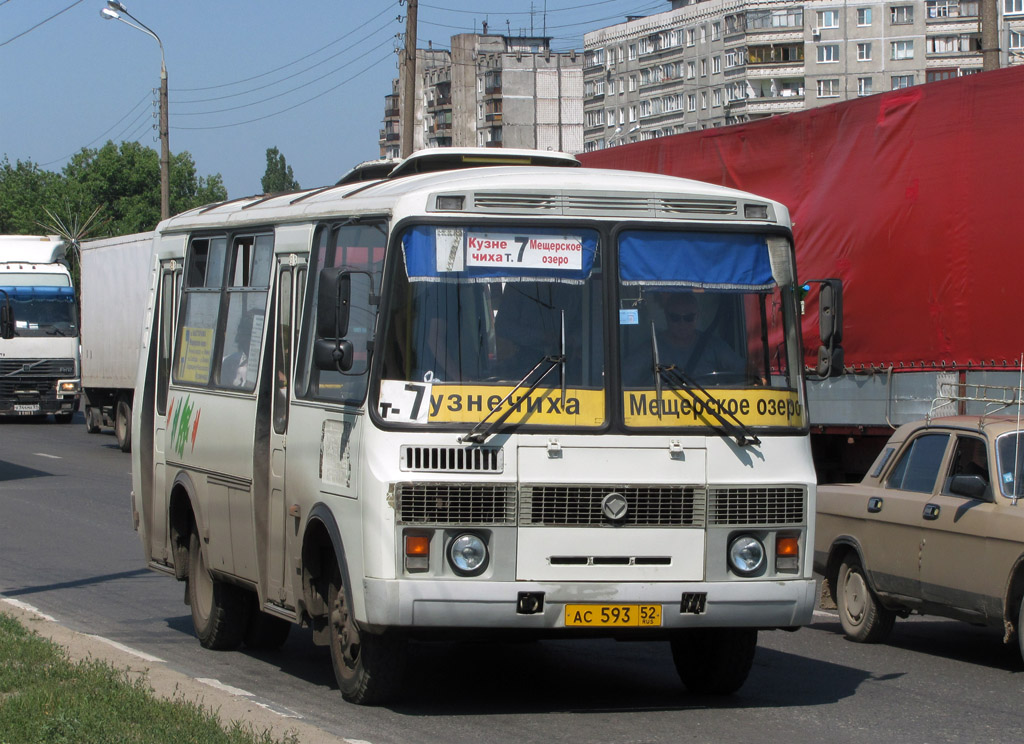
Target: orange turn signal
787 546
417 545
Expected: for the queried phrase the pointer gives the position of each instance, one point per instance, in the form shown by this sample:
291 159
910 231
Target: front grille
451 459
580 506
455 503
35 368
744 506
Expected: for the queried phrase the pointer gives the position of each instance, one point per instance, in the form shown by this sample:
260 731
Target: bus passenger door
166 310
290 276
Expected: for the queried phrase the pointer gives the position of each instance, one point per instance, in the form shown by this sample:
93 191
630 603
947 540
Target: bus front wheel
714 661
218 609
369 668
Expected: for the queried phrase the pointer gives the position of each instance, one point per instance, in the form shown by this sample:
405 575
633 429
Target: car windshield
475 312
1010 457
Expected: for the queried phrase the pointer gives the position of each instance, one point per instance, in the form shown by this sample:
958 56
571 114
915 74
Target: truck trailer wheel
123 424
863 619
218 609
93 420
369 668
714 661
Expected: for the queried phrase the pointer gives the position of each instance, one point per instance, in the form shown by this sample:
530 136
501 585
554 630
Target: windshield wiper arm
478 434
729 422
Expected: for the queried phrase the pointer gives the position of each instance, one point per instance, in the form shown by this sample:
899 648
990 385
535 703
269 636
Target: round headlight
468 554
746 555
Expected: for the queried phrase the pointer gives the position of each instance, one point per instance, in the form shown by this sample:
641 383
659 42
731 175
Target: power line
23 33
112 126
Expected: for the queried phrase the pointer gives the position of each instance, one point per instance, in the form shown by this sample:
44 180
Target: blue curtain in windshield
737 261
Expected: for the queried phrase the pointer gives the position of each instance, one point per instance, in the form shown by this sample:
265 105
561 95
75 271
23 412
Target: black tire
1020 628
218 609
93 420
123 424
863 618
63 418
714 661
369 668
264 632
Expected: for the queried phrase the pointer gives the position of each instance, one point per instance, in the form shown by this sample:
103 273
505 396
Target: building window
599 88
703 100
645 77
703 34
828 88
611 87
632 114
716 31
1016 40
632 83
632 51
864 51
618 54
645 108
828 53
716 97
703 68
901 14
864 87
716 65
691 102
1013 6
903 49
691 70
828 19
902 81
863 16
690 37
933 76
622 116
731 59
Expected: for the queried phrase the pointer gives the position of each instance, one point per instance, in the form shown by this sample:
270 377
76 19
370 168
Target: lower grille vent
647 506
455 503
744 506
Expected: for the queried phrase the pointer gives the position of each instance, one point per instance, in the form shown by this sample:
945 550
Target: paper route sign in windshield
432 253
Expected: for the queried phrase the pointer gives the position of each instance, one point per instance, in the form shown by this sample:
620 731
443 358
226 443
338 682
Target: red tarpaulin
913 198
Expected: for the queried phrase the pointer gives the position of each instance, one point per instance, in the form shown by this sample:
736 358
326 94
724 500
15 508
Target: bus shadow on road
12 471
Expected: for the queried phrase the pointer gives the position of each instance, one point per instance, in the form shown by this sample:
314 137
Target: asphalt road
67 547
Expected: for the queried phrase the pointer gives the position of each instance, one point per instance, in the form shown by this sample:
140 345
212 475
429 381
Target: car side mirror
333 298
6 317
971 486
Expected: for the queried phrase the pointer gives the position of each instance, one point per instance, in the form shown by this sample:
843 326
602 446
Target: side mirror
971 486
6 317
333 297
830 328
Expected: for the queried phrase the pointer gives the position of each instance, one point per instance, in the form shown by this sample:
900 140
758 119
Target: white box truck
39 364
115 286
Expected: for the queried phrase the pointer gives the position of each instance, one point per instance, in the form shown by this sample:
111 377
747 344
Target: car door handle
874 505
931 511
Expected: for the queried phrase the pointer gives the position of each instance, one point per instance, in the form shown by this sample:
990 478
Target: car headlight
746 555
467 554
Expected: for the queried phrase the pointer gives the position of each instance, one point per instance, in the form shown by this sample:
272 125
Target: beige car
933 528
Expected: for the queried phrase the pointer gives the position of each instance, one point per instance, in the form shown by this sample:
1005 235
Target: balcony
493 117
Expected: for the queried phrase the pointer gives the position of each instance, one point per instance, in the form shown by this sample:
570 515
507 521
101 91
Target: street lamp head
109 15
115 5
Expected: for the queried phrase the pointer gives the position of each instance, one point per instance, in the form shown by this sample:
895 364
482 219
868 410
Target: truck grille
451 459
455 503
744 506
580 505
35 368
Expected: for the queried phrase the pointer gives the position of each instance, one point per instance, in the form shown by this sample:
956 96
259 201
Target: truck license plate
613 616
26 407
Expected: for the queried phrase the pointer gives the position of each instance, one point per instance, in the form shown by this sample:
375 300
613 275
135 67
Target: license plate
26 407
613 616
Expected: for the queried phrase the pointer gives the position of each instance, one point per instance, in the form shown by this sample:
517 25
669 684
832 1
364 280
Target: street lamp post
114 11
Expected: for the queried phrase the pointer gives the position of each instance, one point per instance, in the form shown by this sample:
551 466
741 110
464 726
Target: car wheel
369 668
123 425
714 661
863 619
218 609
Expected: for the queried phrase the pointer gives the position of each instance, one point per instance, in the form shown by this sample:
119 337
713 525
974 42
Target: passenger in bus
234 368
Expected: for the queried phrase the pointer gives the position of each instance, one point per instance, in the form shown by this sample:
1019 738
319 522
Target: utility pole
409 80
989 36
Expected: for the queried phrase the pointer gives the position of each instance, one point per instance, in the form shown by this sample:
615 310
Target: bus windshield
477 313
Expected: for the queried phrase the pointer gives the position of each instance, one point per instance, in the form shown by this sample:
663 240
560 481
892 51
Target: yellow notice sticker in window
195 355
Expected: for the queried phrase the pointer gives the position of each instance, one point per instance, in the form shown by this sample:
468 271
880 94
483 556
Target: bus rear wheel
369 668
218 609
714 661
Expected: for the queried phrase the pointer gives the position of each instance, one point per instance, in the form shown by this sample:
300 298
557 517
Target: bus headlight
746 555
467 554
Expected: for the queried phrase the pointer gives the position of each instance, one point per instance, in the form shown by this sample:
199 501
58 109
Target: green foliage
124 180
44 697
279 176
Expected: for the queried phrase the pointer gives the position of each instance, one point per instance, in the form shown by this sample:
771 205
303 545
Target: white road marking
128 649
52 457
280 710
226 688
29 608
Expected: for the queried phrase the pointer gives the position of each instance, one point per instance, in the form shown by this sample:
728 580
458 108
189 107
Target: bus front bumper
496 604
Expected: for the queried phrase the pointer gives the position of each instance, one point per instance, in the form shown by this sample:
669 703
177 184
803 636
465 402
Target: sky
308 78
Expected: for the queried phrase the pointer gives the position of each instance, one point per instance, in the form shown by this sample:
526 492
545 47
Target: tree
279 176
26 192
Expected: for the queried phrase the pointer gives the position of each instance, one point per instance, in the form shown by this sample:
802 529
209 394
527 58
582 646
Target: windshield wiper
729 424
479 437
52 330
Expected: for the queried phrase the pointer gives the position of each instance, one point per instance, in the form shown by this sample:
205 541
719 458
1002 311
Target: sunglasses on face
681 317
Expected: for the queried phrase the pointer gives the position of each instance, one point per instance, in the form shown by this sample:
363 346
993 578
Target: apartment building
712 63
492 91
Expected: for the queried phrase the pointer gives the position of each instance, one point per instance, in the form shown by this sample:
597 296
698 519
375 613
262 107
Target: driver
696 353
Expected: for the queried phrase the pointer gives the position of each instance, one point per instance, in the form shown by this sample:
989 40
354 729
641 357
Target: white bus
490 392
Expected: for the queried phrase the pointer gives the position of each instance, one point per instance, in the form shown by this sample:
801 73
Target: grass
45 697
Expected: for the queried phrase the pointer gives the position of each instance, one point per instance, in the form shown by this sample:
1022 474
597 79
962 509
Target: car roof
992 425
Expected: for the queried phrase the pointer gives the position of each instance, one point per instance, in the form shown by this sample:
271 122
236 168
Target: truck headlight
746 555
467 554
